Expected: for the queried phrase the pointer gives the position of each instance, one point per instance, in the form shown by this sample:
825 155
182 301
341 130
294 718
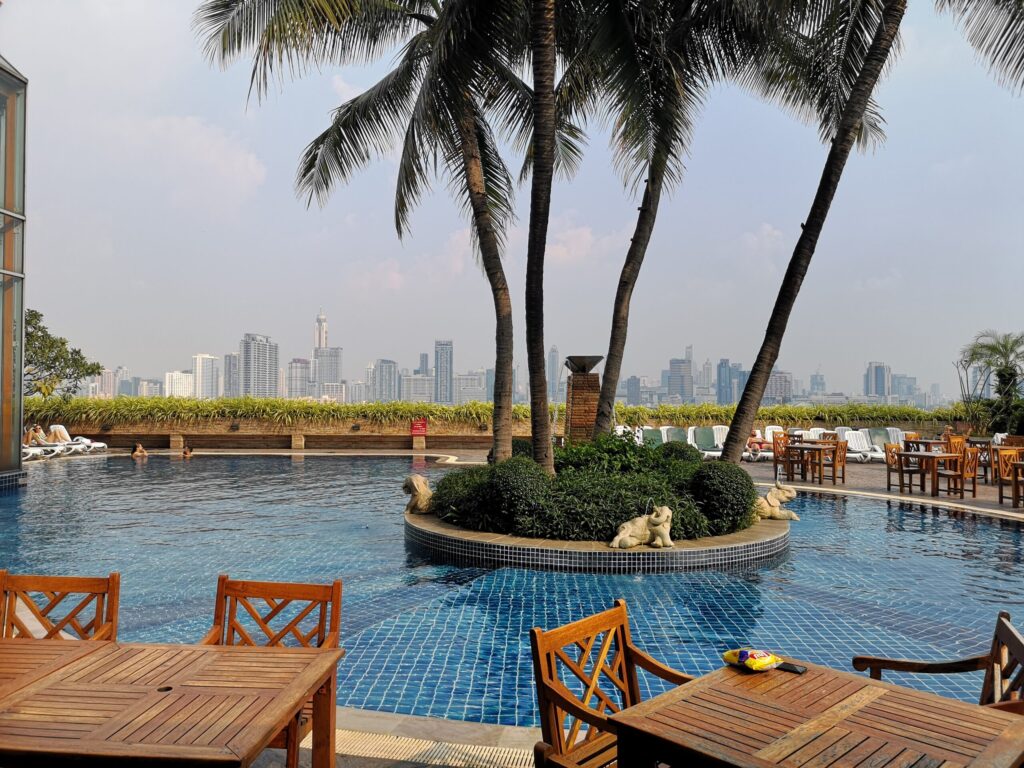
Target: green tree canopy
52 365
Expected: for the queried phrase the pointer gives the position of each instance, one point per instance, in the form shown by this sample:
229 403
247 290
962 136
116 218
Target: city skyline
931 194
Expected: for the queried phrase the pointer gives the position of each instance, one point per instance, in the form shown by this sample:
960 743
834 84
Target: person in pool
186 452
138 452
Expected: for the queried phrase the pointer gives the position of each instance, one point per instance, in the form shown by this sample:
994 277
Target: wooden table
930 458
1017 484
822 718
923 445
113 704
819 449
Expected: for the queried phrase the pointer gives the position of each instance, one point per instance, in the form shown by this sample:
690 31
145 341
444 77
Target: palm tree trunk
542 20
627 280
490 255
842 144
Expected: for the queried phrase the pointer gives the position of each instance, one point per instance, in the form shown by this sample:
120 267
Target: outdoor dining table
923 445
931 459
820 450
821 718
102 703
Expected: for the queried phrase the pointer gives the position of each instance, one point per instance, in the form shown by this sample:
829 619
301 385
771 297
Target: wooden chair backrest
911 435
829 437
779 442
59 607
1004 677
840 457
307 614
969 463
955 443
575 660
1004 466
892 455
1014 441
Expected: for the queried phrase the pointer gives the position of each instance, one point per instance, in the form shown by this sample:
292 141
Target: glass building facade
12 269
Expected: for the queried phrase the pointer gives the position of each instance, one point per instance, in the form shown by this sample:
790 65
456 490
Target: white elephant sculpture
652 529
418 489
770 506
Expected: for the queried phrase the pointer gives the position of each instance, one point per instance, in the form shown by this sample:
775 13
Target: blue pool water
862 576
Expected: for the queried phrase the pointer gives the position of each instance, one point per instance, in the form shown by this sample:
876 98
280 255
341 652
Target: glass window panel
12 144
11 243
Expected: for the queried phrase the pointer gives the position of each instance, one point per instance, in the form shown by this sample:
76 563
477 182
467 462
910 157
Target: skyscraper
818 384
385 381
326 366
779 389
553 360
297 380
417 388
232 382
470 387
680 380
633 390
178 384
320 331
122 377
444 361
724 386
257 366
424 367
878 380
205 376
108 383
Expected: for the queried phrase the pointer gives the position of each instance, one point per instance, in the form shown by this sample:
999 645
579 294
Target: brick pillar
298 442
582 392
177 442
419 442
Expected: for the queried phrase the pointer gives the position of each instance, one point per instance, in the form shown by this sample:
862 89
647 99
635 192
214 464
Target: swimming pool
863 576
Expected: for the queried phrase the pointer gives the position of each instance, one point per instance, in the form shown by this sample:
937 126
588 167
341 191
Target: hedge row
158 410
598 487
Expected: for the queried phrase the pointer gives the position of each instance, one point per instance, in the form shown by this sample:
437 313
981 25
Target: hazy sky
162 220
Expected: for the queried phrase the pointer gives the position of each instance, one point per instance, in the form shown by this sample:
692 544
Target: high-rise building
679 383
13 86
779 389
424 366
878 380
258 369
205 376
739 380
178 384
358 392
128 387
326 366
232 378
633 390
553 361
903 387
336 393
470 387
385 381
980 381
417 388
320 331
689 352
818 384
724 386
108 383
297 379
121 375
151 388
444 371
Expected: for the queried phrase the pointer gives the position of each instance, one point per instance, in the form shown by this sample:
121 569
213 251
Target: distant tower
257 366
444 372
553 360
320 331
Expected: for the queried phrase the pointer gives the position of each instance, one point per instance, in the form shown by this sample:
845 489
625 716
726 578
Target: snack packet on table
752 658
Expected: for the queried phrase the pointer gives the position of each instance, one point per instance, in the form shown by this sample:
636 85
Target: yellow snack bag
751 658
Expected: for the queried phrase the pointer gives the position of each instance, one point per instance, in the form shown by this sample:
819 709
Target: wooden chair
835 465
59 607
904 469
237 617
586 671
1014 441
1002 467
780 440
911 435
1003 665
966 469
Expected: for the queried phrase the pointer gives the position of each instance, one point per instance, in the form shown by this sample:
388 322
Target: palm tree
543 54
430 104
852 70
658 60
1002 354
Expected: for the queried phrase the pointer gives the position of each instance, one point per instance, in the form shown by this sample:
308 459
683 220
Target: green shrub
588 505
518 490
725 494
522 446
609 453
462 497
679 452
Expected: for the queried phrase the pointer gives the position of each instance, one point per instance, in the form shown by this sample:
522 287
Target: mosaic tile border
12 481
427 536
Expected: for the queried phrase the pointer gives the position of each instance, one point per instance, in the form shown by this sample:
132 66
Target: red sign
419 427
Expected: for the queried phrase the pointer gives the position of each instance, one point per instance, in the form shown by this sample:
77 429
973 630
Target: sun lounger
58 430
703 438
674 434
896 435
859 442
634 433
652 436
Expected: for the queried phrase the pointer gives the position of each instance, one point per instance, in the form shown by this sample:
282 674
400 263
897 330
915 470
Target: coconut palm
659 60
1002 354
432 104
850 50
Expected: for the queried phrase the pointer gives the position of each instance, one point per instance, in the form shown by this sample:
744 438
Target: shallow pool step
384 746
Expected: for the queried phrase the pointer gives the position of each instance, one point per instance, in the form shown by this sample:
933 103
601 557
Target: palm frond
995 29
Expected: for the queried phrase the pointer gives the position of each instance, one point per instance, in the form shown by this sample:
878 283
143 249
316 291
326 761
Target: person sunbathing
138 452
58 434
756 443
